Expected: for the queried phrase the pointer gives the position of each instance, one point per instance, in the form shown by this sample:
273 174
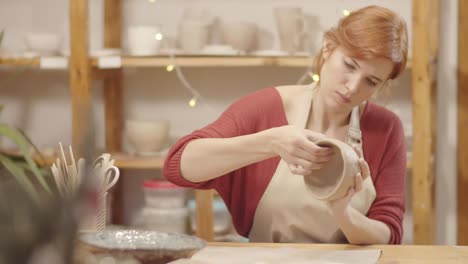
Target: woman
258 151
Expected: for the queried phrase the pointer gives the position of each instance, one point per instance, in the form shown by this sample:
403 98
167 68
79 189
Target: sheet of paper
260 255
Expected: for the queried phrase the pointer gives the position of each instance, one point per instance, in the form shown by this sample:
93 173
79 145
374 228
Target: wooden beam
80 75
425 50
204 214
462 180
113 111
20 61
112 23
113 105
113 82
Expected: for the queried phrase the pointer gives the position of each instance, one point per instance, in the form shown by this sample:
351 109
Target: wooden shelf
127 161
124 160
44 161
47 62
216 61
20 61
213 61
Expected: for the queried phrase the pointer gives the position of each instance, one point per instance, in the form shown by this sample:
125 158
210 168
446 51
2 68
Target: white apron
287 211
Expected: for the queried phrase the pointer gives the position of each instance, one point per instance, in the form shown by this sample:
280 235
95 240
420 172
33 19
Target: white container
222 218
165 220
163 195
94 219
142 40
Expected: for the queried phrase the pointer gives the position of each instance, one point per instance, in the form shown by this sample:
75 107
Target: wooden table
391 254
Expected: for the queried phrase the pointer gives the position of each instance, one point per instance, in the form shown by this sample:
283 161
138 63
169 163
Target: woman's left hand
339 208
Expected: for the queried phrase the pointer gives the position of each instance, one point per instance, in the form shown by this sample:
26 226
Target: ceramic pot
240 35
291 25
193 35
334 180
147 137
142 40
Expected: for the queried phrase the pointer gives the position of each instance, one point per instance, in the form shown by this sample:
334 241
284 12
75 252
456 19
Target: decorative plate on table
148 247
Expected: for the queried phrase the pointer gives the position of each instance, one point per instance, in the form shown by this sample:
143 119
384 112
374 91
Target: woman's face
346 81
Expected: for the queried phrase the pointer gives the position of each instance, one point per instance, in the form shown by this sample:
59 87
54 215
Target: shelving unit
54 62
20 61
425 12
126 161
216 61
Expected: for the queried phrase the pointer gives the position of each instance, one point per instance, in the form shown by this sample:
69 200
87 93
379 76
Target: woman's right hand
297 148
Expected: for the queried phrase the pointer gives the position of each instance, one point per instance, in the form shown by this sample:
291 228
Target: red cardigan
241 190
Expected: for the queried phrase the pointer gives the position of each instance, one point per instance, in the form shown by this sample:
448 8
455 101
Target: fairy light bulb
193 102
169 67
152 1
346 12
315 77
158 36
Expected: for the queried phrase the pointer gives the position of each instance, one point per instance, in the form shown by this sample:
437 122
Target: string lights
193 102
169 67
196 96
158 36
315 77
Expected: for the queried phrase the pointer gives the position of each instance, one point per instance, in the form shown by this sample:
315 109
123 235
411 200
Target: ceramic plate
149 247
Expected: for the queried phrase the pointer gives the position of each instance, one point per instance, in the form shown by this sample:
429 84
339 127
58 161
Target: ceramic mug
338 175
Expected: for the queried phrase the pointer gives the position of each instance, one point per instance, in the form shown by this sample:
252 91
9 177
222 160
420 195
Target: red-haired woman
252 155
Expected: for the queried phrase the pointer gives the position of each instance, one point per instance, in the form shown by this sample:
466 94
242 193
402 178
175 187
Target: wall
446 158
38 101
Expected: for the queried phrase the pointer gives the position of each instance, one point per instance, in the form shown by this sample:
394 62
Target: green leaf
19 175
2 33
1 108
45 171
21 142
32 144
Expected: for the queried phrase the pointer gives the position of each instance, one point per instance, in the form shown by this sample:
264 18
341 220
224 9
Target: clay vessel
147 137
334 180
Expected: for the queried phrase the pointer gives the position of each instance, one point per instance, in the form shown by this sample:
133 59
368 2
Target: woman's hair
370 32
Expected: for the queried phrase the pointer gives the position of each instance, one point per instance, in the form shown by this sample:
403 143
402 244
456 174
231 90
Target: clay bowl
148 247
147 137
334 180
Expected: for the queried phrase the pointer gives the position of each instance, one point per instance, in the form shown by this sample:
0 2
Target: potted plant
22 167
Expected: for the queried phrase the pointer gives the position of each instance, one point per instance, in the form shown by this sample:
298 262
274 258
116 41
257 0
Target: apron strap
354 130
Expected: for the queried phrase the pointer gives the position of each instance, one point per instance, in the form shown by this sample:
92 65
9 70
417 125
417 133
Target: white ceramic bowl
45 44
147 137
